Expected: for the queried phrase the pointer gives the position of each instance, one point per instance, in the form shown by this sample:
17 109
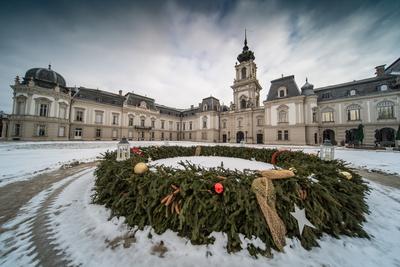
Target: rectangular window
44 109
170 125
114 133
63 112
204 135
41 130
79 115
98 133
353 115
279 135
115 119
78 133
61 131
162 136
170 136
152 135
259 122
240 123
21 107
327 116
190 125
99 118
142 135
224 124
177 126
130 122
142 122
17 129
153 124
184 126
286 135
183 136
190 136
162 124
130 135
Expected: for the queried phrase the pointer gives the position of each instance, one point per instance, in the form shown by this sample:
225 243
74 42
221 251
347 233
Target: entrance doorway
224 138
239 136
329 134
260 139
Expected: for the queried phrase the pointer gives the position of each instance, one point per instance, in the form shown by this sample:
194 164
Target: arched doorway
350 136
329 134
239 136
385 136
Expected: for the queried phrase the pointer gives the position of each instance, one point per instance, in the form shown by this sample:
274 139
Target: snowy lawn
84 232
22 160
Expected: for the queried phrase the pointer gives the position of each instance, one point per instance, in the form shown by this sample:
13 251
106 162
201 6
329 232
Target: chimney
380 70
191 106
120 92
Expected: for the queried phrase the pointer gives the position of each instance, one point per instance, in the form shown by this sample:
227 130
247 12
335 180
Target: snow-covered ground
82 230
23 160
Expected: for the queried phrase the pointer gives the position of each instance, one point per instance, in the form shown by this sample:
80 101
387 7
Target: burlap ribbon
266 198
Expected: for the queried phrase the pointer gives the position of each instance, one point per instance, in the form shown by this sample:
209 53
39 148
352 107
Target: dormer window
282 92
383 87
326 95
205 107
352 92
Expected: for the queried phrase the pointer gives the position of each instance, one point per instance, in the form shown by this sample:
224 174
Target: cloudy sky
180 52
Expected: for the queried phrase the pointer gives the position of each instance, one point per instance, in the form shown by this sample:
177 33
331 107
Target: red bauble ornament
218 188
137 151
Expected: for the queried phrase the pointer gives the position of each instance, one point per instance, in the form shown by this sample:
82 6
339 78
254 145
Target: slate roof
99 96
363 87
135 100
288 82
394 67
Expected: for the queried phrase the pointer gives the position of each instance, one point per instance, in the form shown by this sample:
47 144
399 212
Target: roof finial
49 66
245 37
306 80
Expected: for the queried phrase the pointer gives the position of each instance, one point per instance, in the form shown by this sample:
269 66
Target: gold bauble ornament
140 168
347 175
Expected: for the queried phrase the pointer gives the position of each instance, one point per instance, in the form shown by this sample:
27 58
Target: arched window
283 112
244 73
243 103
204 122
282 92
282 116
353 112
205 107
385 110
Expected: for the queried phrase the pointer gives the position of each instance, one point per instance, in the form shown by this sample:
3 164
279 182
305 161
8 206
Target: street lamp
327 151
123 150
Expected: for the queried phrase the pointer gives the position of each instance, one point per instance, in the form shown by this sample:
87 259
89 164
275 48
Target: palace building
45 108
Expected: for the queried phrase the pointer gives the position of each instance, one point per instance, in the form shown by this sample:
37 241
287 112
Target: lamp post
123 151
327 151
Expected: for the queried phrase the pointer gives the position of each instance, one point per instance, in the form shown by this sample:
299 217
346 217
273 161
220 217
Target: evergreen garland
334 204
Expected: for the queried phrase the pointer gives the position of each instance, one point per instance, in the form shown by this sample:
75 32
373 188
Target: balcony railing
139 127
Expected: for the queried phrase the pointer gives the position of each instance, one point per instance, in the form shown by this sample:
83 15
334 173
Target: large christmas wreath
194 202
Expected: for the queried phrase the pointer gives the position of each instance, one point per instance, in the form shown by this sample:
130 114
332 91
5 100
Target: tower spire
245 37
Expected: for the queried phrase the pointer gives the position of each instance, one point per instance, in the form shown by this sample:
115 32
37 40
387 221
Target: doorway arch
239 136
329 134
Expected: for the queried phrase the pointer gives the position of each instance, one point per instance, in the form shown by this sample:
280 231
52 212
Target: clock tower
246 88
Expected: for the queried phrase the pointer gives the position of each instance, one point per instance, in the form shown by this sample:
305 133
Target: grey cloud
179 53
